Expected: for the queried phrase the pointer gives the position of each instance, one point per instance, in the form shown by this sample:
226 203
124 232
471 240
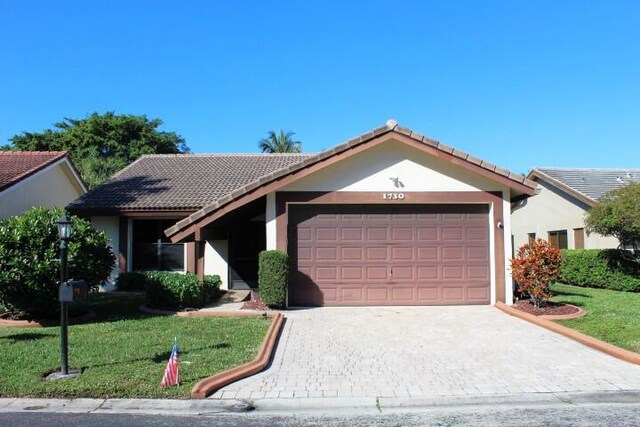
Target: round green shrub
30 266
273 278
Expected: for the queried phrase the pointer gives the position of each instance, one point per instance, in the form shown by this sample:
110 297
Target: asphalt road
627 414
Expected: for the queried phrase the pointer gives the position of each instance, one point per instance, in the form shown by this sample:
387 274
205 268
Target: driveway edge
610 349
205 387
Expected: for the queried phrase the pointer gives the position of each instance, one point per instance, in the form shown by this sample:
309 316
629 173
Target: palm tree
280 142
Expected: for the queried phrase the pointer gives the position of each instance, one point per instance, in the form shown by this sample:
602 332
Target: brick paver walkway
426 352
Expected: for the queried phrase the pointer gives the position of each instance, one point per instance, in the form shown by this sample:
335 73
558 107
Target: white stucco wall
270 222
110 225
553 210
506 235
49 187
216 256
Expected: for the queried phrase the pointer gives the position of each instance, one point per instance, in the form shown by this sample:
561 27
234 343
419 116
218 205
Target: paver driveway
426 352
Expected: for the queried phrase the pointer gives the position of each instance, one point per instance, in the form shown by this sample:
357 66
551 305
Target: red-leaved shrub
536 265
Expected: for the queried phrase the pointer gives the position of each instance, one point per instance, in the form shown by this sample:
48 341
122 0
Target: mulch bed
254 305
546 308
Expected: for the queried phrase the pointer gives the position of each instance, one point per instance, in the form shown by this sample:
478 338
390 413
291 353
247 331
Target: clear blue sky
518 83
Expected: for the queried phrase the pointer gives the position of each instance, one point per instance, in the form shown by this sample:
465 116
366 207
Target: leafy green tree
617 214
29 266
101 144
280 142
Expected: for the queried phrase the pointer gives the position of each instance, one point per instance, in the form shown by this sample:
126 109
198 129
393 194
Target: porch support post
199 250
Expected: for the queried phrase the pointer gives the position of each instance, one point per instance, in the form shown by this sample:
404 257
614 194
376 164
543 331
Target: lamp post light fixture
65 230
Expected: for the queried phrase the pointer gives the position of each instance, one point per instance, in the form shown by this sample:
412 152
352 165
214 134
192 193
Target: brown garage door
389 255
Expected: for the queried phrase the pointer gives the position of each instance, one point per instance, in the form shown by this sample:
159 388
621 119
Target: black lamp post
64 232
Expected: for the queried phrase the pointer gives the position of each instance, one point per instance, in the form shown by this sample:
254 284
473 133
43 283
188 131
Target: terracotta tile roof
185 182
18 165
589 182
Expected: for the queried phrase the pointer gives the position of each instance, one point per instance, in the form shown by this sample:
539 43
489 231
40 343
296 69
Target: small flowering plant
536 265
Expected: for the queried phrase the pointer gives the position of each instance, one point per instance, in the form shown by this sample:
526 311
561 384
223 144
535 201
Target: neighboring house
563 197
36 178
388 218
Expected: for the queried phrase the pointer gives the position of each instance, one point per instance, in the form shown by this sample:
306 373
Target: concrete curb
612 350
336 404
205 387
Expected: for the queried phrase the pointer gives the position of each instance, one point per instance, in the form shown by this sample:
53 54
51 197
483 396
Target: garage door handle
391 272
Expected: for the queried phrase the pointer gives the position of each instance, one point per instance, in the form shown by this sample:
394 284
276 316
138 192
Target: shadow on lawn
570 294
112 307
159 357
27 336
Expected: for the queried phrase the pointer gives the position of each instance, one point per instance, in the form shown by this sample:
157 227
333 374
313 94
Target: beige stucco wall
216 256
110 225
49 187
553 210
372 169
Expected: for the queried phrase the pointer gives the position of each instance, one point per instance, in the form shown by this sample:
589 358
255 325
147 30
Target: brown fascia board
429 145
535 173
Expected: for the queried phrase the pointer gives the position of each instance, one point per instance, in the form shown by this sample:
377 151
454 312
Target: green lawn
613 316
123 353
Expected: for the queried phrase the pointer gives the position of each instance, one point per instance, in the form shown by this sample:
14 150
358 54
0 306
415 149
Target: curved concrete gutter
612 350
207 386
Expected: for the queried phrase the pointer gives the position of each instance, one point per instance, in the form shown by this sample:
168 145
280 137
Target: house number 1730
393 196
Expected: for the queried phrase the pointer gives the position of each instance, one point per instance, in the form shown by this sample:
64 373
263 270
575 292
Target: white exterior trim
270 222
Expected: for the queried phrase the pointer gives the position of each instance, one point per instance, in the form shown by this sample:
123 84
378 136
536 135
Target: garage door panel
389 255
326 234
401 272
377 234
427 253
326 273
453 272
351 273
352 254
377 253
477 253
402 253
380 295
402 294
428 295
376 273
476 233
478 273
401 234
352 295
426 273
480 293
327 254
351 234
304 234
452 234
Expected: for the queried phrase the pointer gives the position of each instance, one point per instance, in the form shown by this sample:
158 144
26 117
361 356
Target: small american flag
171 372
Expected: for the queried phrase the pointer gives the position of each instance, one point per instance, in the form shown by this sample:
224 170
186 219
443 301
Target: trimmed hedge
273 278
131 281
180 291
596 268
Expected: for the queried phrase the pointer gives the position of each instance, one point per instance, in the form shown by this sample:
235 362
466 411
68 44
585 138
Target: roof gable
16 166
279 178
